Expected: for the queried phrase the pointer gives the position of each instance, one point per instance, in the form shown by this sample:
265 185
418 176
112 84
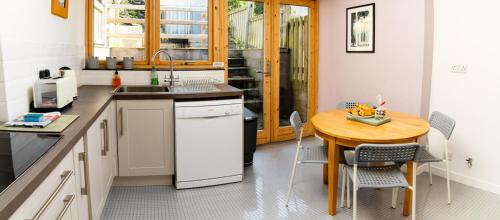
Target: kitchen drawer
64 206
60 181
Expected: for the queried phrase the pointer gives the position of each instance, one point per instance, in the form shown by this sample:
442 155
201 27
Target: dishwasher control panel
206 109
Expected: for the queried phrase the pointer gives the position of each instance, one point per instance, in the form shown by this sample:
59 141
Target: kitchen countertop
92 100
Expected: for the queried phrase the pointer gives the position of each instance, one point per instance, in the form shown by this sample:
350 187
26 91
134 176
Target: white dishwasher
208 142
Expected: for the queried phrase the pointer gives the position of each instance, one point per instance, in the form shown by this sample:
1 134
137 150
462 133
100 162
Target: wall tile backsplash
20 62
142 77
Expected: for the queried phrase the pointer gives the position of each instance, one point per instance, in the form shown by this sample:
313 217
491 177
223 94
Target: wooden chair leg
325 173
344 177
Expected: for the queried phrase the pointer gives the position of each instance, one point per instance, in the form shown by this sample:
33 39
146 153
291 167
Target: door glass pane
246 54
294 62
184 29
119 27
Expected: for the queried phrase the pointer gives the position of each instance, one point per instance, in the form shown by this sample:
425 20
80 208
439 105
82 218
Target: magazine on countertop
46 119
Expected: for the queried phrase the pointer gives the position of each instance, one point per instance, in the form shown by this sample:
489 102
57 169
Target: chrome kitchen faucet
153 60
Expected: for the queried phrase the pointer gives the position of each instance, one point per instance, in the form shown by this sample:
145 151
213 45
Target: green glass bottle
154 78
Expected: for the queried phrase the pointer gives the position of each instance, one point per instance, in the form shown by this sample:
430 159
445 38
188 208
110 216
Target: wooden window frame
216 20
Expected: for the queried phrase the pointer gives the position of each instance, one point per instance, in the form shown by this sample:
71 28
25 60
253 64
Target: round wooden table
337 131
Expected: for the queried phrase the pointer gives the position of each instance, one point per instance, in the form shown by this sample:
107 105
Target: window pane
184 28
246 53
119 29
294 62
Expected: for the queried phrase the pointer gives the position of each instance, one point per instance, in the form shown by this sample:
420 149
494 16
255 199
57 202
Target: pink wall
396 68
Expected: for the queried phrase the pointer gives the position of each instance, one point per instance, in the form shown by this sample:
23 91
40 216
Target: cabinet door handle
67 204
106 135
83 158
103 139
66 175
121 121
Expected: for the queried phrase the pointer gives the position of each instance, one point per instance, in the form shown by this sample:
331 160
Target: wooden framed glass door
249 58
258 63
294 53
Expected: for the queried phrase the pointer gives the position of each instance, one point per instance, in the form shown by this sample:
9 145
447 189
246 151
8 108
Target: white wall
31 38
395 70
466 33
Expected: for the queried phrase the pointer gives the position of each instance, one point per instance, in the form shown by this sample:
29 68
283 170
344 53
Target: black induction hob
18 151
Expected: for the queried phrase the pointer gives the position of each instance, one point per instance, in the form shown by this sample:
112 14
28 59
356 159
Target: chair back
297 124
442 123
398 153
349 105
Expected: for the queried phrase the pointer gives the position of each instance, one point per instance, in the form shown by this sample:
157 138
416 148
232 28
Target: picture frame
60 8
360 29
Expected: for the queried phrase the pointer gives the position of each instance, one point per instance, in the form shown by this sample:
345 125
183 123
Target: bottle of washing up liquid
117 81
154 78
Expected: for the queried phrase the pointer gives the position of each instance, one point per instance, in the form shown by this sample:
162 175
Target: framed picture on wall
60 8
360 29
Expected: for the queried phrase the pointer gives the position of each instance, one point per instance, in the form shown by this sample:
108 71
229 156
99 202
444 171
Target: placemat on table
57 126
370 121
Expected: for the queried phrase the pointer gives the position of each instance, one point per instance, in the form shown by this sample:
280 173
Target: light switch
460 68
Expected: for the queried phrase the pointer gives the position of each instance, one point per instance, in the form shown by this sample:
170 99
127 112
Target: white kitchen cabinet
145 137
100 160
55 196
109 162
78 187
81 180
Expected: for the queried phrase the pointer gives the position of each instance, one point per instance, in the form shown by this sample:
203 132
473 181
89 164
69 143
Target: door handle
106 135
83 158
120 112
103 138
67 204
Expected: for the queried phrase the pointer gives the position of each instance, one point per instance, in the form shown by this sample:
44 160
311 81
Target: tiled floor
262 196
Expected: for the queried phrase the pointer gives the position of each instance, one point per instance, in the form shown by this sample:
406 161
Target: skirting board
467 180
143 181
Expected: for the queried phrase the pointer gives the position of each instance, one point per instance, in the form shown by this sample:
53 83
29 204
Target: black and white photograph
360 29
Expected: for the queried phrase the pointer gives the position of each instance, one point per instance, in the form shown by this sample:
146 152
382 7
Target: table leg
325 167
333 172
408 192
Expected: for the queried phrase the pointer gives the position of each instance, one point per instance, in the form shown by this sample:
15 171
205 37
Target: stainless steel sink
142 89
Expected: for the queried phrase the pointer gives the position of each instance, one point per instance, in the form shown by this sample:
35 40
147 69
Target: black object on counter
250 135
18 151
44 74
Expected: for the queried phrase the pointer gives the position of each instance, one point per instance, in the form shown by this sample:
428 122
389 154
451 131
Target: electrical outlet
450 156
469 161
460 68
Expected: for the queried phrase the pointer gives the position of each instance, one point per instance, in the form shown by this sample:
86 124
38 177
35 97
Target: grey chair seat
425 156
314 154
379 177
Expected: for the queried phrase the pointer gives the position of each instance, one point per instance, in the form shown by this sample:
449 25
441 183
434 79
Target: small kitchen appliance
56 92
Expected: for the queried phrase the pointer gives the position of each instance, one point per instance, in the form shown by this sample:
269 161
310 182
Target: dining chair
347 154
387 176
304 154
445 125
